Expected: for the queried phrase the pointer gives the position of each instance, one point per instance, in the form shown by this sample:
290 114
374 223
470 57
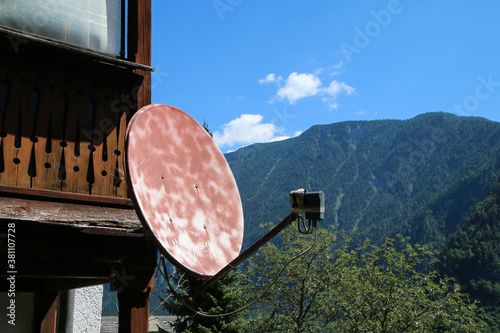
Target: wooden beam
46 306
134 312
134 295
89 219
50 252
58 196
139 45
49 323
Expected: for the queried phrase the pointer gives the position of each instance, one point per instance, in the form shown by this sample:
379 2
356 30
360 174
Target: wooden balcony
62 126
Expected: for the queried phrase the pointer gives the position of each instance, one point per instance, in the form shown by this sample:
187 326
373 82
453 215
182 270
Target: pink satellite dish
183 190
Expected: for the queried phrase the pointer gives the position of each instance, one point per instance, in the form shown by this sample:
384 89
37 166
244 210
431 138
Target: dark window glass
93 24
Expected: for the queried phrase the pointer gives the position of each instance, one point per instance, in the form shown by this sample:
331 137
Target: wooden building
71 76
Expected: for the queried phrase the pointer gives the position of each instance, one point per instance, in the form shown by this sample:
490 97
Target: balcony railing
62 127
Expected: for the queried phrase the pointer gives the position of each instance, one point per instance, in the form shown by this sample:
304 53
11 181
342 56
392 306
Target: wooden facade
64 111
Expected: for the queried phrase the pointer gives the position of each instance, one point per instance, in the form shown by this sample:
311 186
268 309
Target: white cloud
330 102
246 129
318 71
270 78
336 69
284 137
334 89
299 86
279 138
363 113
339 65
302 85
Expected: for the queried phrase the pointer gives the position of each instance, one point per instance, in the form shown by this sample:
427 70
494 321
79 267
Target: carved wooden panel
63 122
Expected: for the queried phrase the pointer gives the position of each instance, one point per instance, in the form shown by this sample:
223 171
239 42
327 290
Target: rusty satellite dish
183 190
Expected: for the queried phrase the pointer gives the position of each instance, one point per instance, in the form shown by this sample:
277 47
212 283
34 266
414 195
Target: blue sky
258 71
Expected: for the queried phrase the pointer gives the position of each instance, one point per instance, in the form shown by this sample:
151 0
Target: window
92 24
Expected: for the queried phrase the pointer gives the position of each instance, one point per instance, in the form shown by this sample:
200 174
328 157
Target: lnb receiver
310 203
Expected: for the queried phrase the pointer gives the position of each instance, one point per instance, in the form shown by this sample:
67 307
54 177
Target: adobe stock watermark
11 273
120 280
484 90
282 116
223 6
364 36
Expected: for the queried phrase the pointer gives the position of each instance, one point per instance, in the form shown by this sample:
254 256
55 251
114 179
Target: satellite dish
183 190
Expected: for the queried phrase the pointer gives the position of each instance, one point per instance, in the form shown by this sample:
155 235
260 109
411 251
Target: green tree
222 298
205 126
382 290
300 299
367 289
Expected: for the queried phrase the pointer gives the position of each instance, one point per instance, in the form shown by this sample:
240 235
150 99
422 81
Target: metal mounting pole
248 252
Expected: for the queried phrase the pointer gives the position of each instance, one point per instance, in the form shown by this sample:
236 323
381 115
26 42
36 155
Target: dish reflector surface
183 190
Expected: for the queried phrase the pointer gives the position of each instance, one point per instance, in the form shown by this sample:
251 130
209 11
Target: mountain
419 177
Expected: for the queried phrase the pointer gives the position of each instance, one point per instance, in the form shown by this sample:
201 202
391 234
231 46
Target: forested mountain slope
472 255
419 177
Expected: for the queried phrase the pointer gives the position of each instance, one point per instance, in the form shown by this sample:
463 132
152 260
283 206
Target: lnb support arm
312 204
251 250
